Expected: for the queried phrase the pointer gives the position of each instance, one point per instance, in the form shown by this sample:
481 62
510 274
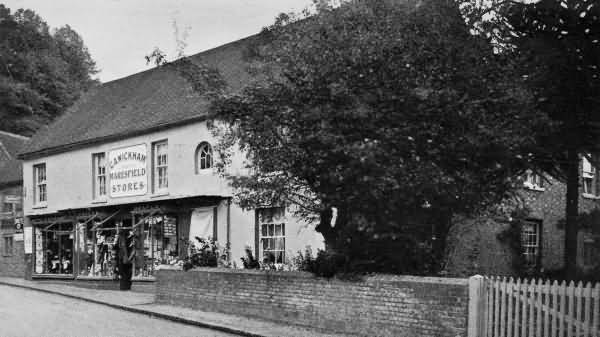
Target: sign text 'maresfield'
127 171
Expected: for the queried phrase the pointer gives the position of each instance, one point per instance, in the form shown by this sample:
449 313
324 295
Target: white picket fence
501 307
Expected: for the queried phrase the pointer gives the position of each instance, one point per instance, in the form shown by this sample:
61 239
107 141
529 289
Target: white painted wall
70 181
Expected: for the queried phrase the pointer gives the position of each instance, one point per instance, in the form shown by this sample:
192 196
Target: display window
96 247
54 249
157 243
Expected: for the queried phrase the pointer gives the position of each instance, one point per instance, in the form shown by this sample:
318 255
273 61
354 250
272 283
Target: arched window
204 157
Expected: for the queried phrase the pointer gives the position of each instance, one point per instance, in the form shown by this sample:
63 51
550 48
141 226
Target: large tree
383 118
555 45
42 72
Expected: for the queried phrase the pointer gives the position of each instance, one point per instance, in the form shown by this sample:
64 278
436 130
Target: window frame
534 181
5 249
271 237
38 183
96 175
156 167
200 149
588 243
589 179
527 247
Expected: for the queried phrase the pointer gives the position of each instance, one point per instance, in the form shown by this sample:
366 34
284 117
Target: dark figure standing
125 253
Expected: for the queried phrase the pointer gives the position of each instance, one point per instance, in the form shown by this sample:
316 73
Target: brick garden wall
383 305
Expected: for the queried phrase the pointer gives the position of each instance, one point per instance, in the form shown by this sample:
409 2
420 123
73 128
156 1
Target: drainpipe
228 229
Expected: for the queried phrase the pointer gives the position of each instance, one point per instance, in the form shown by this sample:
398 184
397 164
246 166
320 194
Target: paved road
27 313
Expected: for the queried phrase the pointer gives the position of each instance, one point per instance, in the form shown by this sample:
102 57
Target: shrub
325 264
207 255
249 261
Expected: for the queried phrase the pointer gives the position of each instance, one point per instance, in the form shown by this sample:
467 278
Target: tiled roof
10 167
152 99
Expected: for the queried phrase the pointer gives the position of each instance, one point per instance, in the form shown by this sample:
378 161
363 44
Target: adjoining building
483 245
136 154
12 260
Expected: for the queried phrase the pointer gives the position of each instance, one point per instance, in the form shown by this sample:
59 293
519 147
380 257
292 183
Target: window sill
53 276
534 188
159 194
39 206
590 196
99 201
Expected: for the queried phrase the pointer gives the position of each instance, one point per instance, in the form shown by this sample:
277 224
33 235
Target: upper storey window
589 178
204 157
39 176
99 164
160 162
533 180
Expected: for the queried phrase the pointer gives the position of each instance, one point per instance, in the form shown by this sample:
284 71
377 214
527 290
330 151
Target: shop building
12 260
136 154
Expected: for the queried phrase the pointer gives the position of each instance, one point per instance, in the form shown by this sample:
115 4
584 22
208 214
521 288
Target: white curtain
201 223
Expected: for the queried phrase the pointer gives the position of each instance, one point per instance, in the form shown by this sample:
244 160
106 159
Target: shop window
533 180
157 243
8 246
530 243
160 162
589 253
204 157
271 222
39 177
54 249
96 247
99 167
589 176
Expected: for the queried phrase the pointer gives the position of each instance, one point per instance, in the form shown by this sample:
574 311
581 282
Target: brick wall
475 249
383 305
13 263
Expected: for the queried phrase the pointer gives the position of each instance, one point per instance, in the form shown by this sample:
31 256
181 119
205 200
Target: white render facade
72 218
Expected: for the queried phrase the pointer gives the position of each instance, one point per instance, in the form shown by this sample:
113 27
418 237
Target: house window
589 253
589 178
8 246
271 222
204 157
160 161
99 166
40 191
530 242
533 180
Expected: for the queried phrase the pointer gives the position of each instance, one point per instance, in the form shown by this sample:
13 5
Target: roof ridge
14 135
206 51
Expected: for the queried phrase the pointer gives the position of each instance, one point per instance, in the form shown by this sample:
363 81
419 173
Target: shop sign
18 225
169 227
12 199
127 171
28 239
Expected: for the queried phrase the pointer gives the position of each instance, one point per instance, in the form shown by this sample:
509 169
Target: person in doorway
124 254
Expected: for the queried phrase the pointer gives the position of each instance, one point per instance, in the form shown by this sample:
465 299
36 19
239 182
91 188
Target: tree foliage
41 72
384 118
556 47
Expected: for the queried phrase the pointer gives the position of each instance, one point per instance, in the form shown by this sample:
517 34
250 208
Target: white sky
119 33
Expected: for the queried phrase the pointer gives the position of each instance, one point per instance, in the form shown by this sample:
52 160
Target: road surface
32 313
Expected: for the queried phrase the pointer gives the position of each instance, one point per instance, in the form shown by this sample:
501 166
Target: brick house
12 261
136 154
476 246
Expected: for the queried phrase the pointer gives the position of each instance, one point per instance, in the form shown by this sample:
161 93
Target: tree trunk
324 227
570 253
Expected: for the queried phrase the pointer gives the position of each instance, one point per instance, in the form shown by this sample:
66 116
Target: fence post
476 306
